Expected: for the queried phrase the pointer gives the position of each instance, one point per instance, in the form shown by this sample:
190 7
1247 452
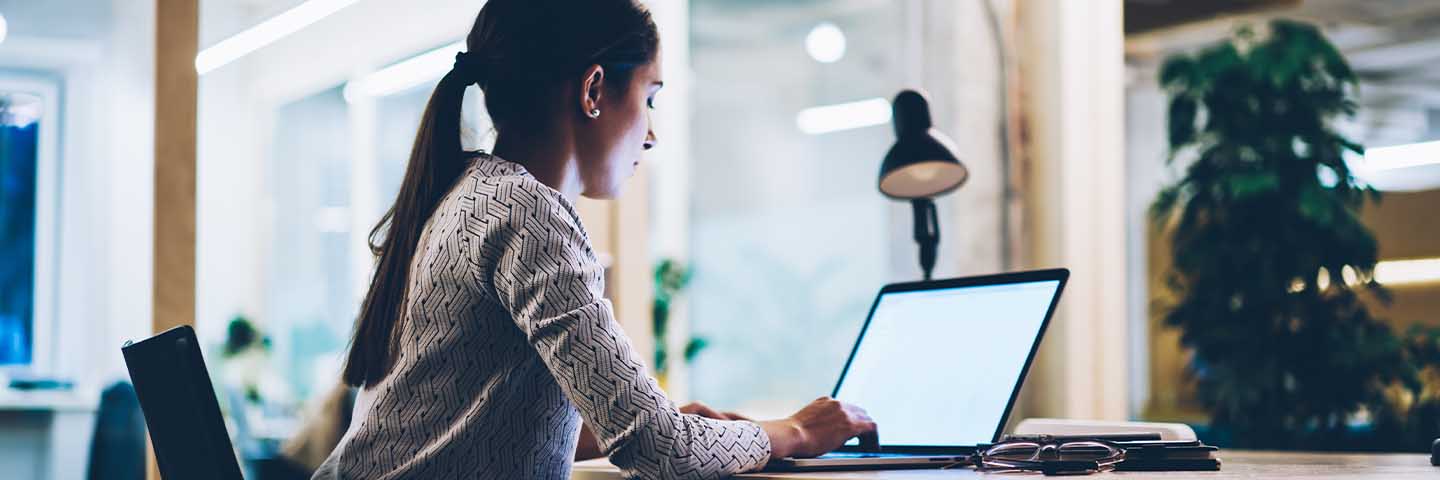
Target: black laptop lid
179 404
939 364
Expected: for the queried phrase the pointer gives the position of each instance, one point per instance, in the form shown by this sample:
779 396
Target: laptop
938 365
186 428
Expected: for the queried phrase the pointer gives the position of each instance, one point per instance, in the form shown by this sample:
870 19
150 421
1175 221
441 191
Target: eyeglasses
1050 456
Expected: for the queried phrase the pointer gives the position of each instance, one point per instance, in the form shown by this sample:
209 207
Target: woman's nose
650 139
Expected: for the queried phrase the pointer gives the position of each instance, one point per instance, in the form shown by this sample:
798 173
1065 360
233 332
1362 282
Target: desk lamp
920 166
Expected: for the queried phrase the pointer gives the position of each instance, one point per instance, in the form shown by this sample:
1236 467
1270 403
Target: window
28 105
310 304
19 136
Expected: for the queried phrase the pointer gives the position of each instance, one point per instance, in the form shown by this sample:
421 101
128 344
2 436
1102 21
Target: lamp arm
927 232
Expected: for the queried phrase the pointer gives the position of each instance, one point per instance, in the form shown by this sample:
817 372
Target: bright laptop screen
937 367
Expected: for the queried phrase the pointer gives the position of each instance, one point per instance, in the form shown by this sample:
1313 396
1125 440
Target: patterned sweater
507 344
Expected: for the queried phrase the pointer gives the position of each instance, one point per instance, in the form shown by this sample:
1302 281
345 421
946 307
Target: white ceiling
1388 42
1393 45
73 19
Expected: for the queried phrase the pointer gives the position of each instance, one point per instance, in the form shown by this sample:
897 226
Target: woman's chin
602 193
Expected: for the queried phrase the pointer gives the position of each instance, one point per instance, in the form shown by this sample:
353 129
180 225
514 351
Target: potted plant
1270 255
671 278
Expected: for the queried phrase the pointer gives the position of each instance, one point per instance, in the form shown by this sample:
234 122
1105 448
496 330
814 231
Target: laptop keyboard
866 455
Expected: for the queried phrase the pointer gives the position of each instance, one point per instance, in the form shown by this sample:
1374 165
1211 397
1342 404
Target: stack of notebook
1167 455
1149 447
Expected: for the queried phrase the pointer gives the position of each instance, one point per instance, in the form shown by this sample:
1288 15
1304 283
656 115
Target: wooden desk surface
1236 464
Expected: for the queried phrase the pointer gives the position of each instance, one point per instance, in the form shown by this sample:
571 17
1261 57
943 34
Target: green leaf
1246 185
1317 206
1177 73
1164 203
1182 121
693 348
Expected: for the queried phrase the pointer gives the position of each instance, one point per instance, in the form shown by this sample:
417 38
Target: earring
595 113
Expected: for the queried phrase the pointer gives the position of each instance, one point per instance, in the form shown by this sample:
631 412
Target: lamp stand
927 232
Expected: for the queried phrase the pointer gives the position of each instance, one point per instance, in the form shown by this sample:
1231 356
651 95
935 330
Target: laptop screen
938 367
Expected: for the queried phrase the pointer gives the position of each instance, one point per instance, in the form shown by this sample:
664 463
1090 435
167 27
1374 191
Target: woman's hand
823 425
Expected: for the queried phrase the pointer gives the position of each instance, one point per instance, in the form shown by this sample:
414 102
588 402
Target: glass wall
789 236
310 305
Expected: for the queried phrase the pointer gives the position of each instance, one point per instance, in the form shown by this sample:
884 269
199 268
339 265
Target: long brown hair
520 53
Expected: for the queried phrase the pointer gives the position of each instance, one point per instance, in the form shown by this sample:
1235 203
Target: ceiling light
1404 272
844 116
1410 167
826 43
267 32
4 28
406 74
1381 159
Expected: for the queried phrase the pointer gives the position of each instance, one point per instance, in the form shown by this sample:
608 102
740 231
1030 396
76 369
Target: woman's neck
549 158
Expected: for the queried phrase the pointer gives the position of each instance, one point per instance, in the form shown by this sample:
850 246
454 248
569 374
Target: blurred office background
306 111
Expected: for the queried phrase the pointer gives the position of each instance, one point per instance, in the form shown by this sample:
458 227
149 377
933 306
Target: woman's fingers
697 408
736 416
703 410
866 428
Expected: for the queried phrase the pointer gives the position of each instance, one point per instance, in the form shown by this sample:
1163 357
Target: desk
46 434
1237 464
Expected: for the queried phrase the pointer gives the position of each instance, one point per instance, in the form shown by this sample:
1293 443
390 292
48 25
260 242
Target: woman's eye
650 102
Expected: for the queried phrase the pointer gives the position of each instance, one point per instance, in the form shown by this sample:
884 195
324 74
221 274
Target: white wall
966 104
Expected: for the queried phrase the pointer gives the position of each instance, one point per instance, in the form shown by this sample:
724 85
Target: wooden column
176 43
177 39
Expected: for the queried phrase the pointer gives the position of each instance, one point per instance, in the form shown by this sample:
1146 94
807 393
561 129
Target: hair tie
469 67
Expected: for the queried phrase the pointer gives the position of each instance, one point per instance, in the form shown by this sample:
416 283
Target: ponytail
436 162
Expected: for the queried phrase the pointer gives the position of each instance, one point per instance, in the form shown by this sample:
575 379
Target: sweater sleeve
550 281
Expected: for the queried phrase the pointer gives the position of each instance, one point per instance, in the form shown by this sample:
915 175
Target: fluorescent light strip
1405 272
267 32
844 116
406 74
1401 156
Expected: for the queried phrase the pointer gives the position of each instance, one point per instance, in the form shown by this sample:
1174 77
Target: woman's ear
591 87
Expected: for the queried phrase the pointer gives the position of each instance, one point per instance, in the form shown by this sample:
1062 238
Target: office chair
178 401
117 448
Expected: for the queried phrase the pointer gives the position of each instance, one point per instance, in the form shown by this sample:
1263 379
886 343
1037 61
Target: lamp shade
922 162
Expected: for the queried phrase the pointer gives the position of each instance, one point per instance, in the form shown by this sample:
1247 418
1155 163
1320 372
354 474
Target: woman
484 340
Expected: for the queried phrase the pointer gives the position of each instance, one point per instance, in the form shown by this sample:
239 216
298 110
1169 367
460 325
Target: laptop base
833 462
